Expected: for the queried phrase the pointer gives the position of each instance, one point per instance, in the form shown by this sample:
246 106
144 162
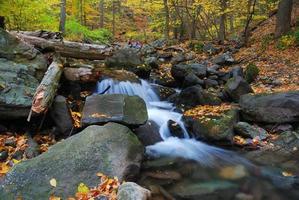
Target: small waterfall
161 112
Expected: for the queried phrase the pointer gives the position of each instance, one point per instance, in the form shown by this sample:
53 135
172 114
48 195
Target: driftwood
67 48
46 91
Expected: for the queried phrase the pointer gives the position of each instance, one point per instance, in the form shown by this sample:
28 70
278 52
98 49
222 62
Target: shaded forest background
145 20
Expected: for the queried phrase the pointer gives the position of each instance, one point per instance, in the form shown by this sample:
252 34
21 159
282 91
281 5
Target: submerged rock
132 191
111 149
271 108
100 109
21 69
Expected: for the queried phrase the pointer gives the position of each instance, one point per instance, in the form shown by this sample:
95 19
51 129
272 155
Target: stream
207 158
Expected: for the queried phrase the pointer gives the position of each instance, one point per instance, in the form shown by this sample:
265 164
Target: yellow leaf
82 188
287 173
15 161
53 182
54 198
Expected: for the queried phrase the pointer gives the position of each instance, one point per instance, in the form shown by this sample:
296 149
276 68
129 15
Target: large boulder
128 110
236 87
195 95
219 127
132 191
271 108
21 70
111 149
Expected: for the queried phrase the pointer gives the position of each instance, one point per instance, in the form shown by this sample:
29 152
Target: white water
161 112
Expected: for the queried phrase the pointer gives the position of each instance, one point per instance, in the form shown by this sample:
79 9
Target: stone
152 62
210 83
210 49
132 191
163 92
195 95
246 130
236 87
119 75
3 155
175 129
199 70
126 58
100 109
180 71
148 134
191 79
224 59
21 69
61 116
111 149
271 108
236 71
215 127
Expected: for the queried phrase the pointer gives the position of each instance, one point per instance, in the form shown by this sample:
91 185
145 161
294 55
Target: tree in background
62 16
283 22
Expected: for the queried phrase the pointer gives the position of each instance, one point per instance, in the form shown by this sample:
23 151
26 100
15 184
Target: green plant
76 31
251 72
286 41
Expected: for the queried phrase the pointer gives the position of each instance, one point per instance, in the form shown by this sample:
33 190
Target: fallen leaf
53 182
83 189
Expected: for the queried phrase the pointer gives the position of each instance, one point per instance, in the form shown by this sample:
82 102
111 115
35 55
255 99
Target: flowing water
161 112
212 164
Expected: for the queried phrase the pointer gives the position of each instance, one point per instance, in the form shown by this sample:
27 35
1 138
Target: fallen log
43 34
67 48
82 73
46 91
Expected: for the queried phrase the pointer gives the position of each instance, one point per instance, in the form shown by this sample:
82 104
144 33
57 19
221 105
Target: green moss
251 72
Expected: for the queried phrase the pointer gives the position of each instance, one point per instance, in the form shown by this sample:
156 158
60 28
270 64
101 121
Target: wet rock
236 87
246 130
213 128
120 75
191 79
164 175
224 59
132 191
61 115
214 189
3 155
100 109
127 59
21 69
160 163
175 129
148 134
271 108
111 149
195 95
163 92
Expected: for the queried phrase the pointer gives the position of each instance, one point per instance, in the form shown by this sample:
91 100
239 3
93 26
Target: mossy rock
251 72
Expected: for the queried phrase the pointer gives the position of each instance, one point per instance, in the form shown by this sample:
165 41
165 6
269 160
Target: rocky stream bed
179 126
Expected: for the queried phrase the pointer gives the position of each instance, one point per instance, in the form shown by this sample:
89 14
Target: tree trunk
2 22
46 91
251 10
166 28
222 31
101 13
68 49
283 20
62 16
113 17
